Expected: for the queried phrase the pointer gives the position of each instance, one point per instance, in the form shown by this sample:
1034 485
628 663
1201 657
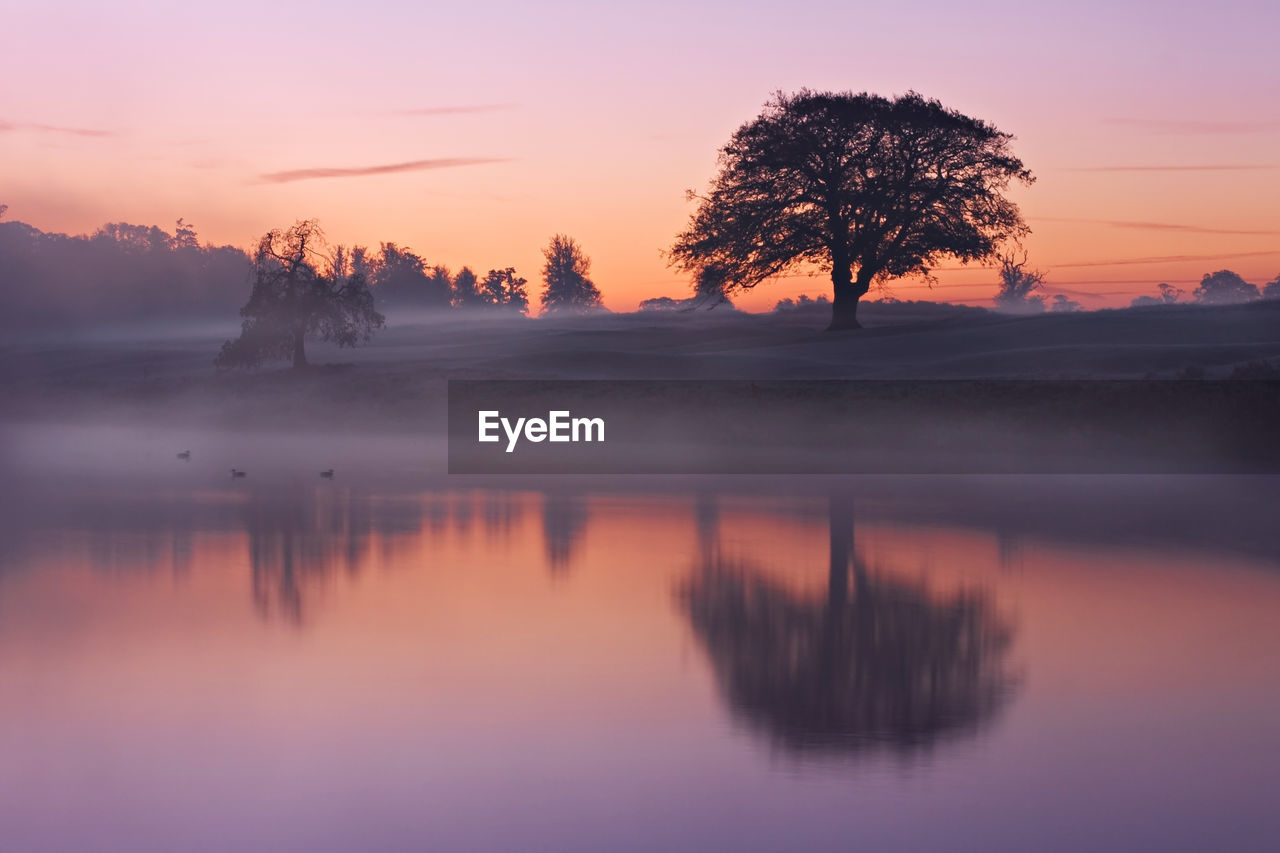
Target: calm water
284 663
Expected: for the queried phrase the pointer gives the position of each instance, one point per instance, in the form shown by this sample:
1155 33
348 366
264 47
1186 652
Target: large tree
565 275
298 293
866 187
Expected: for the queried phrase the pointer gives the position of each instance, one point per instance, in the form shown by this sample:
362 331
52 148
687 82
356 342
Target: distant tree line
125 274
120 274
401 279
304 290
1223 287
1021 290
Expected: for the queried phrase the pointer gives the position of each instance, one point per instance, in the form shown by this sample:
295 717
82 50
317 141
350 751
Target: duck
184 455
328 475
236 472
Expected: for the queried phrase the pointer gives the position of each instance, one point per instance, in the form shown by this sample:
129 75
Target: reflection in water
564 520
149 696
884 664
297 539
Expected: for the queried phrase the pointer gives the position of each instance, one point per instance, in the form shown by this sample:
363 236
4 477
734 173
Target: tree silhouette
564 274
400 278
564 521
441 282
803 302
504 289
878 663
1224 288
867 187
1168 295
1018 285
466 294
136 238
297 294
1063 304
1271 291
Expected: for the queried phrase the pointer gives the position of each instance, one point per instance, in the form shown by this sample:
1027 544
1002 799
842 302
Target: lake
394 660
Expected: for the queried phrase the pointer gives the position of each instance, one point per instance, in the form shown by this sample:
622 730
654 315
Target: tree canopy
401 278
1272 289
1224 287
466 294
504 289
298 293
866 187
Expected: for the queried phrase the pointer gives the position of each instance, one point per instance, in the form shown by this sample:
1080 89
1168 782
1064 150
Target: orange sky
1153 130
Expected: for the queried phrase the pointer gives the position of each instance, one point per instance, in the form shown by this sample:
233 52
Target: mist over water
394 659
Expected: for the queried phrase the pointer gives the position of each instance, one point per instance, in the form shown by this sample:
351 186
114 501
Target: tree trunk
847 292
299 351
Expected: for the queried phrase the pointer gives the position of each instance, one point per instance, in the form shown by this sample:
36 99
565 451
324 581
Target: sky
473 132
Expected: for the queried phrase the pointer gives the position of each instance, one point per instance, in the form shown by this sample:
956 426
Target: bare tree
1018 285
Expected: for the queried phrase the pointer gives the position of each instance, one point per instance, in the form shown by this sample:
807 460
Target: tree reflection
299 538
564 520
296 540
879 663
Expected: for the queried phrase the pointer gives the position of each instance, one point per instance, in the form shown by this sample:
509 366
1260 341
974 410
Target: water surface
283 663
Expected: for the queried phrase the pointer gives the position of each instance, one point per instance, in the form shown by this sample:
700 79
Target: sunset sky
472 132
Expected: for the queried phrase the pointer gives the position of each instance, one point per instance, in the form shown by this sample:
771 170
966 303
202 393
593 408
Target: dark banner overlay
864 427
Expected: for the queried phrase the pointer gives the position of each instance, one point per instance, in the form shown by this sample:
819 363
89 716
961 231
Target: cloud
1161 226
1120 262
460 109
1168 259
1203 167
363 171
1194 126
33 127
